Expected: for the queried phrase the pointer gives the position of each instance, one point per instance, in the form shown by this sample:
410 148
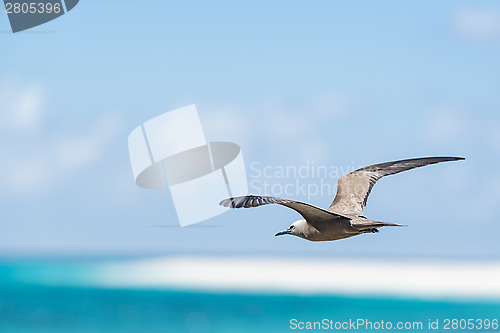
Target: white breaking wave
306 276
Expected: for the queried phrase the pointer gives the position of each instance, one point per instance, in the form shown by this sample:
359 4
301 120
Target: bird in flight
344 218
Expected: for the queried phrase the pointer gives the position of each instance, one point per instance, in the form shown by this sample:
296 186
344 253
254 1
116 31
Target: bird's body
344 218
328 229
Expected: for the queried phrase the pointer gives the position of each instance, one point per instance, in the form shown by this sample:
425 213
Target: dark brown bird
344 218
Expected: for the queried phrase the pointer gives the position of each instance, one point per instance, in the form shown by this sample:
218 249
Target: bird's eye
291 227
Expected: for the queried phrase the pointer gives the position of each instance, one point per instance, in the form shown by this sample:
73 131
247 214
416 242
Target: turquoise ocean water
45 296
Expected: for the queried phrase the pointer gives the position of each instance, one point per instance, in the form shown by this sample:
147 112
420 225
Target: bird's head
296 228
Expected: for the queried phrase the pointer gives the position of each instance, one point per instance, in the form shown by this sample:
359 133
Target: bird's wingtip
229 202
453 158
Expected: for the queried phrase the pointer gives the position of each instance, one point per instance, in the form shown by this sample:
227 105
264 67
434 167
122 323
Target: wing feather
355 187
309 212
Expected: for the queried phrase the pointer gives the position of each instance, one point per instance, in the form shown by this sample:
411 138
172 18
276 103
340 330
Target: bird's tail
387 224
374 224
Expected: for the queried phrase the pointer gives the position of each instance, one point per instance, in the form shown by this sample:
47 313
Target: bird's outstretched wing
353 189
309 212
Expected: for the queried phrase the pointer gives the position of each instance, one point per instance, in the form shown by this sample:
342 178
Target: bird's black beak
284 232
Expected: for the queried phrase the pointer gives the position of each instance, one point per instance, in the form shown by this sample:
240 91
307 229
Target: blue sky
338 83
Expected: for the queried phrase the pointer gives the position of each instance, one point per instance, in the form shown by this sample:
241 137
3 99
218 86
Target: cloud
445 125
331 105
36 158
485 199
475 136
274 123
82 150
451 126
277 131
226 123
26 173
492 135
478 24
21 107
